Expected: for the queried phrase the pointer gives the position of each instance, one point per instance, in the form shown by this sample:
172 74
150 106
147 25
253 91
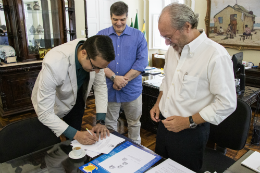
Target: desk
150 94
238 168
252 77
35 162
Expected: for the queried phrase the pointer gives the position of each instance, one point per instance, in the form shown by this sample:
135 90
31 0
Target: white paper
102 146
155 82
159 56
169 166
253 161
91 153
128 160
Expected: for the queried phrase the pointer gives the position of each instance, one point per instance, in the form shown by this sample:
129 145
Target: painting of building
235 22
237 16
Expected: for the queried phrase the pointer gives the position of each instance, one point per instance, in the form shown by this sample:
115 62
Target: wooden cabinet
31 26
157 62
16 84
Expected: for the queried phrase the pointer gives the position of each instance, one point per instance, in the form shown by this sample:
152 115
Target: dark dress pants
74 117
185 147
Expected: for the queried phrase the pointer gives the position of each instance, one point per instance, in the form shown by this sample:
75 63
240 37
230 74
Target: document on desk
169 166
102 146
126 158
129 160
253 161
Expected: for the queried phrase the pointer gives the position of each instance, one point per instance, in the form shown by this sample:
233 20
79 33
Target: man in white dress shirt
198 88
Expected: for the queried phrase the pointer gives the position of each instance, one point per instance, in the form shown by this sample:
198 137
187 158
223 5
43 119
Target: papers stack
169 166
156 81
253 161
102 146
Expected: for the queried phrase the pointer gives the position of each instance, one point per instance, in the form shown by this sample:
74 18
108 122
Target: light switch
82 32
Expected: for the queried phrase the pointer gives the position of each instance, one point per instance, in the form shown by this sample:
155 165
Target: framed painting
234 23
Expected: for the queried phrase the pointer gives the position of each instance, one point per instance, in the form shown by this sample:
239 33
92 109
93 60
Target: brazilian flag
143 30
136 22
132 25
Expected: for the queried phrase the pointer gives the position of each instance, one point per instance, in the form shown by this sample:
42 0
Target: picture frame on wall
234 23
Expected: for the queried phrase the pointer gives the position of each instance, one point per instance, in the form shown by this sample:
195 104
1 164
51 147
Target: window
220 19
155 8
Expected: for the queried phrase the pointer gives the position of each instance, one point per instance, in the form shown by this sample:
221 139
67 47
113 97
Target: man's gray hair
180 14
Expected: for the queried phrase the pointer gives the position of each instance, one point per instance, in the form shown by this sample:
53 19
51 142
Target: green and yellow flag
131 23
136 22
143 30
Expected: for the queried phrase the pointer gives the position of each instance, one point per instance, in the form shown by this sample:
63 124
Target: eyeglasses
169 38
93 67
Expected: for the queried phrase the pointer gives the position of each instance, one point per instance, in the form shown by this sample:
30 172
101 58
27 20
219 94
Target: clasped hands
120 82
172 123
85 138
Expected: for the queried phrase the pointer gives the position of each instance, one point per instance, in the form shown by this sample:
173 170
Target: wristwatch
102 122
192 123
113 77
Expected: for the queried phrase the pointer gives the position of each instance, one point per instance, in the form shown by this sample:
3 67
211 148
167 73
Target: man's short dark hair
3 27
119 8
100 45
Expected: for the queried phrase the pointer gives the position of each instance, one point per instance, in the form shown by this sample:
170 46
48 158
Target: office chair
231 133
24 137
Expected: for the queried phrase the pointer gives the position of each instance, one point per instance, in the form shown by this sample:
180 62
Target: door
98 15
233 22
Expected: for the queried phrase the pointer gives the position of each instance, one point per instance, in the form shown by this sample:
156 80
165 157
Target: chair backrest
232 132
24 137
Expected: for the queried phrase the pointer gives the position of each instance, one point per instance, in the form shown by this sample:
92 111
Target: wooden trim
72 19
207 18
8 23
63 29
86 18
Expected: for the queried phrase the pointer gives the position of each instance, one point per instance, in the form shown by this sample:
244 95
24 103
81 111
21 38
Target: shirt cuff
100 116
70 132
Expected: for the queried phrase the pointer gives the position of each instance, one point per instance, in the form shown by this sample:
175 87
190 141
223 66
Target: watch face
193 125
112 78
102 122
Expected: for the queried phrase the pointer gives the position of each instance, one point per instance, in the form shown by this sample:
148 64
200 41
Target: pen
89 131
184 75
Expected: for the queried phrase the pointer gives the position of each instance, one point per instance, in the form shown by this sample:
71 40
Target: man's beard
178 47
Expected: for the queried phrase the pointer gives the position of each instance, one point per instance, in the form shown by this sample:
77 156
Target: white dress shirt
201 80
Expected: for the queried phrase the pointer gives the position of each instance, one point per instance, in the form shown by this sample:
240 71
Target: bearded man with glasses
198 88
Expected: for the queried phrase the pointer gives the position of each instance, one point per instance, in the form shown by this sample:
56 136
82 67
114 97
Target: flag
136 22
143 30
132 25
